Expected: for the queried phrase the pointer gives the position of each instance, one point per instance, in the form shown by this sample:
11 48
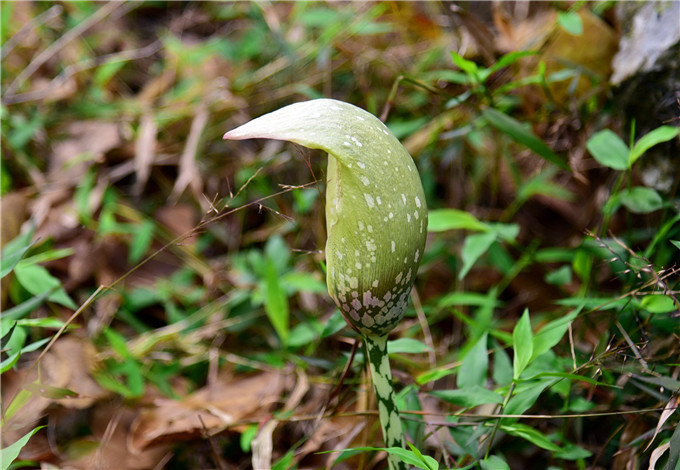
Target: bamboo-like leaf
515 130
523 345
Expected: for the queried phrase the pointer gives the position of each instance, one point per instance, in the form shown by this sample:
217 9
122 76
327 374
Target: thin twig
17 37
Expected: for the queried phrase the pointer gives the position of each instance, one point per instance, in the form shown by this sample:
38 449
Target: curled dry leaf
226 402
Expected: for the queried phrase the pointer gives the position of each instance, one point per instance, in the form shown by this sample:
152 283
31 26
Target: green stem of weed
498 421
376 352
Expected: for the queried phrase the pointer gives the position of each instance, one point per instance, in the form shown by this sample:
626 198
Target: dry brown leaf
668 410
657 454
88 141
263 445
107 448
65 366
218 405
179 219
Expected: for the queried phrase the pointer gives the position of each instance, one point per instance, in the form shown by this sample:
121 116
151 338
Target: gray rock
650 30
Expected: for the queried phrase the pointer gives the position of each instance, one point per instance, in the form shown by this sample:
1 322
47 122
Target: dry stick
17 37
50 51
213 448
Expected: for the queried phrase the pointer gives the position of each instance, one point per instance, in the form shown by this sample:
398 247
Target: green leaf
572 452
502 368
141 241
560 276
304 333
247 437
276 302
494 463
418 460
469 397
522 344
526 395
335 323
432 375
473 248
609 150
475 365
430 463
531 435
14 251
11 452
552 333
652 138
506 232
523 135
571 22
441 220
676 243
641 200
36 280
509 59
26 307
407 345
657 303
465 65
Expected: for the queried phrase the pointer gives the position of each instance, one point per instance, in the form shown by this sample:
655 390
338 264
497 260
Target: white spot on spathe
375 283
347 144
403 197
416 215
361 165
356 304
369 200
378 199
365 180
361 225
370 229
391 215
336 108
358 265
408 218
417 201
338 254
415 259
394 246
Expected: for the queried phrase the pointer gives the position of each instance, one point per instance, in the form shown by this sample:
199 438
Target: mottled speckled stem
376 351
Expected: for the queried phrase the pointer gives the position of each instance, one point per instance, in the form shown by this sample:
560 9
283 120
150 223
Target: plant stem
376 352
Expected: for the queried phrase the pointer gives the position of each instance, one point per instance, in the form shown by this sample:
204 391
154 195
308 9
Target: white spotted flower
376 216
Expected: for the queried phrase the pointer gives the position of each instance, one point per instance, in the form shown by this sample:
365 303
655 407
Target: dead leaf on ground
107 448
223 403
88 141
65 367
